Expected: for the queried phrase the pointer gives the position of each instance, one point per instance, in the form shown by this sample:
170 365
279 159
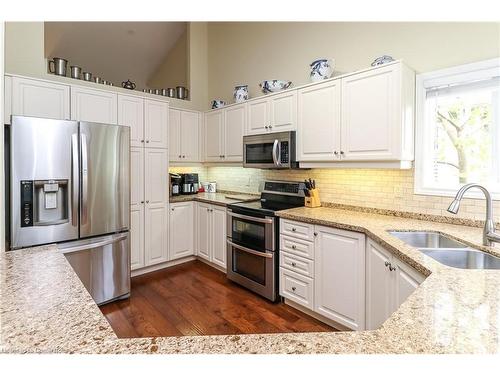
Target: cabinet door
258 117
156 123
283 112
371 114
131 113
190 136
235 126
93 105
137 238
214 126
406 282
181 224
136 178
174 135
340 276
219 247
379 285
156 216
203 231
40 99
318 125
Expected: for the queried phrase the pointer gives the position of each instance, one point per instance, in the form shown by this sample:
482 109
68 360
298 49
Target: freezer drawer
102 264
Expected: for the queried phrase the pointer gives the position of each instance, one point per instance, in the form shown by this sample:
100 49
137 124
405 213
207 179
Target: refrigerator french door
70 184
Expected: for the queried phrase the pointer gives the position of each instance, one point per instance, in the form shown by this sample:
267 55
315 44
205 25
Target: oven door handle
251 251
251 218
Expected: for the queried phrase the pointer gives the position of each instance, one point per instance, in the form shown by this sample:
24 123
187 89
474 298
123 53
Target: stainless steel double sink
447 251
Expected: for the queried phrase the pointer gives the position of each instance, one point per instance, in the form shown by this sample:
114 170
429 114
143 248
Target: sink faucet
489 234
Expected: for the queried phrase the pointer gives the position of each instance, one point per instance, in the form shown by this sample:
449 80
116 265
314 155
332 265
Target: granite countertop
45 308
219 198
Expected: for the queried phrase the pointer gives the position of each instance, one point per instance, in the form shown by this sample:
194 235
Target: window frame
445 76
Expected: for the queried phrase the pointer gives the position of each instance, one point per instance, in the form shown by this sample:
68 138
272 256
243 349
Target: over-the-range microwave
270 151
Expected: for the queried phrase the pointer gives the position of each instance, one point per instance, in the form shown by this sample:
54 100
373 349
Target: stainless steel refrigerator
69 184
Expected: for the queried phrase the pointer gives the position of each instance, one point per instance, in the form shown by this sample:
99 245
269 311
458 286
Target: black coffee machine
189 183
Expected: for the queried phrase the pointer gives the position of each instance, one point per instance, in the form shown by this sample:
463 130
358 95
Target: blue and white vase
217 103
321 69
382 60
274 85
240 93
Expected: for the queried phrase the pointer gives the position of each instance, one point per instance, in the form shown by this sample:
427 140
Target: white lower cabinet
211 233
389 282
181 225
341 276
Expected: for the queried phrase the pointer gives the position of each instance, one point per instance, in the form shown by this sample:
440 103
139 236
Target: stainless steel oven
252 256
270 151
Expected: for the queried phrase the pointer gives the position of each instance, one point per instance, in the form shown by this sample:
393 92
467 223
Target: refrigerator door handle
84 208
87 246
75 179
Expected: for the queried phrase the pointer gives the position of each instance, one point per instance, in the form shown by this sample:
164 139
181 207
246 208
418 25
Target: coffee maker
175 184
189 183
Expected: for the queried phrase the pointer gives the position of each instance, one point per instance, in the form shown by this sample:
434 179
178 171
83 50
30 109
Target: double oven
252 256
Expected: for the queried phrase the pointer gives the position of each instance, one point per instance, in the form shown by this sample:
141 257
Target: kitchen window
458 129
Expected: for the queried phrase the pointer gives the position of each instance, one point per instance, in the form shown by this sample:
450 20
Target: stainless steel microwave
270 151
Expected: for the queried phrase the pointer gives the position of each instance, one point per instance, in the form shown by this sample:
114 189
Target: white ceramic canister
240 93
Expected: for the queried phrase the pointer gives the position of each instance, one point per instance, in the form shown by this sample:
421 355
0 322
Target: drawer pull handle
294 247
294 264
293 288
293 229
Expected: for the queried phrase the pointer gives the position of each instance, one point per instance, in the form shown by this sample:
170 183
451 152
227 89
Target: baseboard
316 316
159 266
212 265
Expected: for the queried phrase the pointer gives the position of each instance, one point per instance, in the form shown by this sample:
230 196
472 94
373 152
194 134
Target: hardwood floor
196 299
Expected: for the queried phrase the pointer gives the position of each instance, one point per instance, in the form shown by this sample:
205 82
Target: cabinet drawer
297 247
298 264
296 287
295 229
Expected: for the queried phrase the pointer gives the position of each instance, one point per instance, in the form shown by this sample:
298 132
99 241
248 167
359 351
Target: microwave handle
277 153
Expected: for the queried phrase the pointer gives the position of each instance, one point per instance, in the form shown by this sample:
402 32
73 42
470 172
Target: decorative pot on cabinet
240 93
128 84
321 69
218 103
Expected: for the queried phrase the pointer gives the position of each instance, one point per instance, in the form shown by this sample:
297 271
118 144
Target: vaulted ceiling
115 51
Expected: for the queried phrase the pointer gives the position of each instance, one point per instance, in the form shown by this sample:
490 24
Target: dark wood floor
196 299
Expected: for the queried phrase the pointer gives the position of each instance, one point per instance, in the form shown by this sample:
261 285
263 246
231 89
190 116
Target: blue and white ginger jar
321 69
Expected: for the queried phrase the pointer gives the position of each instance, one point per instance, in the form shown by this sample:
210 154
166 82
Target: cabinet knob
341 152
293 229
142 202
173 208
392 268
270 126
147 201
335 152
294 288
294 247
294 264
183 156
180 156
266 126
142 140
147 141
386 263
315 234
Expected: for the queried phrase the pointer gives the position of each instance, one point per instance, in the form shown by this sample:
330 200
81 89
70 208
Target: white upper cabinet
283 112
258 116
234 120
318 125
214 129
339 276
184 136
377 114
131 113
156 123
93 105
38 99
275 113
181 226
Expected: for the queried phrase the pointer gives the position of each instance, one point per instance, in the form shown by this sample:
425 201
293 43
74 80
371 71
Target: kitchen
307 207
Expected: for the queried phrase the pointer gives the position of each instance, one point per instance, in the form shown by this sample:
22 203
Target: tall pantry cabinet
148 120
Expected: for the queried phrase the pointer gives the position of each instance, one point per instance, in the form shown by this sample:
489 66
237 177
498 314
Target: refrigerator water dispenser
51 202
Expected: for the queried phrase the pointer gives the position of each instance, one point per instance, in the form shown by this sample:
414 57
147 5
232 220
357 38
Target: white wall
249 52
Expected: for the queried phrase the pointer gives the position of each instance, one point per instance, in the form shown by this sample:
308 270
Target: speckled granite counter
45 308
220 199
